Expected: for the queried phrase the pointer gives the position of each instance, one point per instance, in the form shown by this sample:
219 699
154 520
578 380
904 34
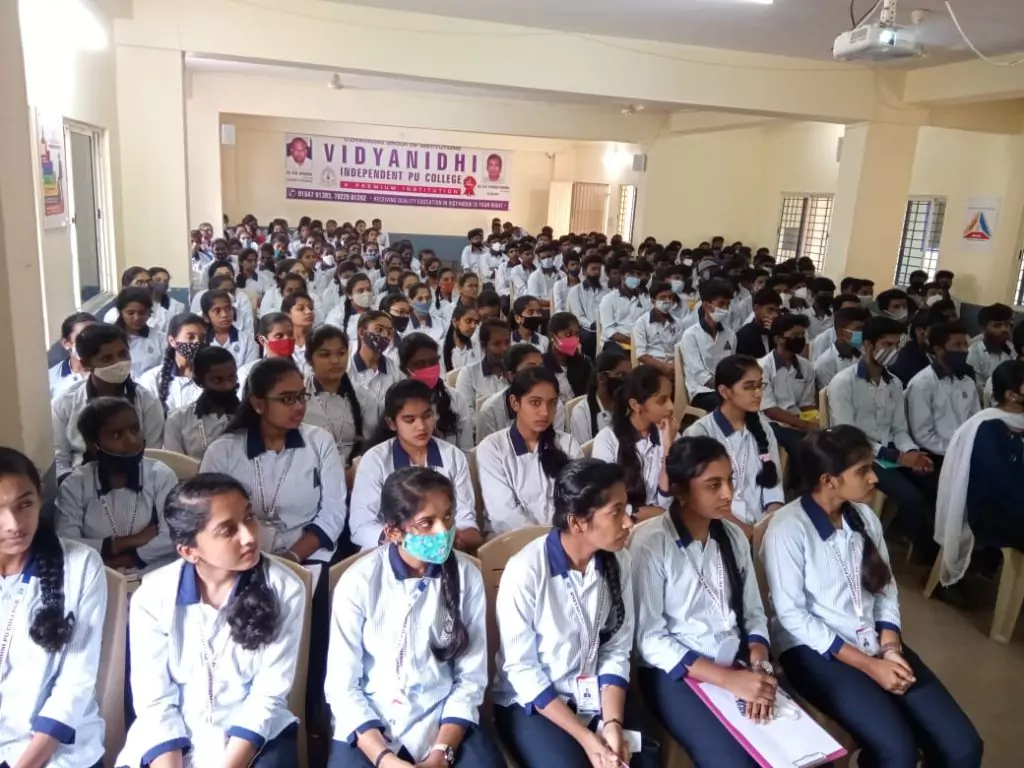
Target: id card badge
867 640
728 649
588 695
209 744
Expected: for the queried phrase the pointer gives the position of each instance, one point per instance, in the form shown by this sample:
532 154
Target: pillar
202 126
871 201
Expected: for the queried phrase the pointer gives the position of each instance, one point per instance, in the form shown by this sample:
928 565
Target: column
24 392
205 197
871 201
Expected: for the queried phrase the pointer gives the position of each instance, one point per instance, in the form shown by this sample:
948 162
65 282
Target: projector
877 42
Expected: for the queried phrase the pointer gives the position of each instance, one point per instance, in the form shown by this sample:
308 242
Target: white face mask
801 292
865 300
362 299
719 315
496 247
547 263
934 299
116 373
898 314
665 307
785 296
688 262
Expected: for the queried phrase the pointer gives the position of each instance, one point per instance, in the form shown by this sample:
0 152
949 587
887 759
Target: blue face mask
632 282
430 548
856 339
423 307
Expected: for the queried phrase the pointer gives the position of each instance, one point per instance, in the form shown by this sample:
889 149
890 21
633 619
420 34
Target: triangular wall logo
978 229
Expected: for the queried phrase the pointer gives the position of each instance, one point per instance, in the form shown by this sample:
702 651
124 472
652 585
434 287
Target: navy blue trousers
535 742
282 752
690 722
477 750
889 729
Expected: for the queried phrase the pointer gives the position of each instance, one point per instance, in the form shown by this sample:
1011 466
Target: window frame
921 237
801 210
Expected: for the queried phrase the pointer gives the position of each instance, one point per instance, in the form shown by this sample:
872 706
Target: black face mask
119 463
399 323
226 400
594 281
796 346
532 324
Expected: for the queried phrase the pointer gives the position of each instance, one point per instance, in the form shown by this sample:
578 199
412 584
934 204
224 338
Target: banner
51 164
373 172
981 217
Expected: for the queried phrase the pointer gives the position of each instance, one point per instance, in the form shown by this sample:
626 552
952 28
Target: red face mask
281 347
429 376
568 346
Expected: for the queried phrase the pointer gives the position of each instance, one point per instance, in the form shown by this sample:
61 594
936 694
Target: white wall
605 162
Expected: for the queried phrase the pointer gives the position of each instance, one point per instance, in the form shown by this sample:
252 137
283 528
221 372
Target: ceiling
803 28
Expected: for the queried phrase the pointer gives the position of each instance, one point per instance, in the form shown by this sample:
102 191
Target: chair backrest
110 682
632 350
355 464
338 569
452 377
823 414
762 581
640 527
587 448
478 496
682 398
185 467
570 407
480 402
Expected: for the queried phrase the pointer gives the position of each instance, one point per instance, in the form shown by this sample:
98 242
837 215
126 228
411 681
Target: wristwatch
447 751
763 666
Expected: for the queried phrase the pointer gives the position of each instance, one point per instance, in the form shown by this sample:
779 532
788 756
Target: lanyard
110 515
8 636
739 469
593 633
268 509
335 433
717 593
852 582
202 434
208 656
421 587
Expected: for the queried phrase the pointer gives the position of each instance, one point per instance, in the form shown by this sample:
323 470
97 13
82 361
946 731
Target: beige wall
608 163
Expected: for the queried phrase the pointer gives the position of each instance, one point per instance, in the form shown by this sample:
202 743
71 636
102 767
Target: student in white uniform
54 597
526 322
472 253
69 370
248 279
639 437
219 313
699 611
944 395
405 438
747 437
624 303
114 501
418 359
496 412
301 311
518 465
191 428
335 404
707 342
146 345
657 333
103 350
565 624
276 338
139 277
844 352
171 381
541 282
424 317
244 319
458 349
214 641
160 282
407 667
286 283
569 279
358 299
584 300
985 354
565 359
370 368
519 275
487 377
837 625
595 413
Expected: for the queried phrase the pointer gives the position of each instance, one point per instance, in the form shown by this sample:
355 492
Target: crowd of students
336 388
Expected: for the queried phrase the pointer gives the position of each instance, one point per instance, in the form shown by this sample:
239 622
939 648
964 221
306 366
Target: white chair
682 407
824 418
569 408
452 377
185 467
587 448
110 676
1009 598
338 570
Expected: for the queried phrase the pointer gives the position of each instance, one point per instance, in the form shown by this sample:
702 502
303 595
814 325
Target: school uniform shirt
68 445
618 313
470 259
61 377
519 277
433 326
172 633
750 500
739 308
336 317
334 413
831 362
241 344
821 343
244 319
182 390
560 295
147 349
515 488
813 572
682 596
545 644
789 387
541 284
651 454
702 353
173 307
503 277
462 437
656 337
819 323
383 674
584 301
331 296
271 301
493 416
876 409
565 390
190 430
299 490
159 319
90 511
536 340
479 380
581 426
461 357
984 360
54 693
299 358
375 382
388 457
937 404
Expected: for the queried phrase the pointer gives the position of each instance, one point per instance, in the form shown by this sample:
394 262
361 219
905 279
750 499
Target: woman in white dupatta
1002 449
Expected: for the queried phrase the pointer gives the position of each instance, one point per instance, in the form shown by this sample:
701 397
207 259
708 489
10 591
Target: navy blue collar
795 365
703 321
254 445
144 332
31 569
722 422
558 560
819 517
401 570
416 323
653 318
486 369
519 442
188 583
517 337
862 372
382 363
232 335
401 459
65 368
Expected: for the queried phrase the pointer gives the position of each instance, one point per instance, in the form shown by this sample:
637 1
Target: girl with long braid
53 597
565 621
699 612
407 666
214 641
748 438
172 381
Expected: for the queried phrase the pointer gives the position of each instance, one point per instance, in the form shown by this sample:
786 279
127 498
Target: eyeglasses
292 398
754 386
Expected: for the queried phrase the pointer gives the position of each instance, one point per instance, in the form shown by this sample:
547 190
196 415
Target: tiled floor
986 678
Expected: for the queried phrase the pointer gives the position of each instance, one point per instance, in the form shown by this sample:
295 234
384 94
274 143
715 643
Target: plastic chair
452 377
633 360
682 397
588 448
1009 598
110 681
185 467
478 496
297 695
569 408
338 570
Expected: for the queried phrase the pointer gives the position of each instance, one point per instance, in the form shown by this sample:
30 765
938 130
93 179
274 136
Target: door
85 212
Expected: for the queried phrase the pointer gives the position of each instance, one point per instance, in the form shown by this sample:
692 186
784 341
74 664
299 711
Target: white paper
633 739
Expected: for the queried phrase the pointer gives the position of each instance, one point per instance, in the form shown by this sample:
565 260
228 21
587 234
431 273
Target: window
922 231
627 212
589 209
91 266
803 227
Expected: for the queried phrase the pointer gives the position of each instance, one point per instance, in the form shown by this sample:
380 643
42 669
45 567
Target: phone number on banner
332 196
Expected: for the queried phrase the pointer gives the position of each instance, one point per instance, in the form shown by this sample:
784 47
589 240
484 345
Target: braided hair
552 457
169 365
254 613
462 308
51 628
687 460
606 362
402 497
581 488
447 418
642 383
728 374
